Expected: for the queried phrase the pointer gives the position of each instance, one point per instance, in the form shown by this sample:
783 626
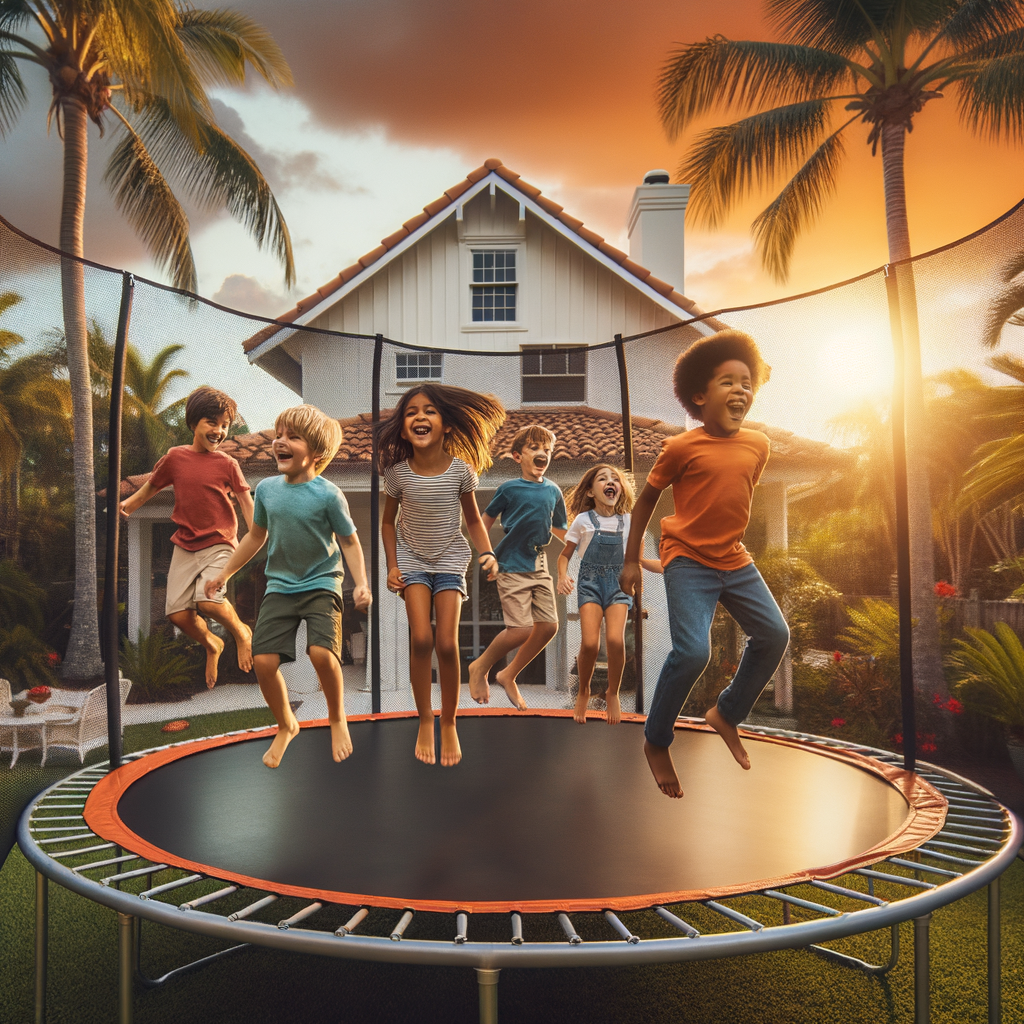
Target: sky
395 100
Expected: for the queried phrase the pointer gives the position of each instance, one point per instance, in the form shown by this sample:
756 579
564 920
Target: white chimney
656 229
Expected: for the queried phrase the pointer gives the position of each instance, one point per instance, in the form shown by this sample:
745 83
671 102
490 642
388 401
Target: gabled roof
307 308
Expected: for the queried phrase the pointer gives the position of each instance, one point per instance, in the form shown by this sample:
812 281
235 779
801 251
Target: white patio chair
6 736
88 729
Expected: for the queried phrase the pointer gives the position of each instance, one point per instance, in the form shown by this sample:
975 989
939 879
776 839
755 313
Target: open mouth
610 492
421 430
540 461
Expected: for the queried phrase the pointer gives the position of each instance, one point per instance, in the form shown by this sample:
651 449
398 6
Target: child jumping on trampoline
203 479
307 521
430 451
712 470
530 509
599 506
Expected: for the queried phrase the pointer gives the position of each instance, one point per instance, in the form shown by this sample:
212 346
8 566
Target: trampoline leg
42 943
487 986
995 995
125 968
922 977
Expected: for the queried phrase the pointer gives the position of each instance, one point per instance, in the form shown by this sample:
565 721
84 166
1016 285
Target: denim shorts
599 584
437 581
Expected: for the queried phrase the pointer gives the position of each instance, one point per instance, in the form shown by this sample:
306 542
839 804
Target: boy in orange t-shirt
712 471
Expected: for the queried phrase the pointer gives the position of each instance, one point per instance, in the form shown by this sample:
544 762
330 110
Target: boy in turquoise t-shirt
530 509
307 522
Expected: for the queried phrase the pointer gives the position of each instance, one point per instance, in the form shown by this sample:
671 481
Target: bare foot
479 689
730 734
341 742
272 758
451 752
614 708
425 743
579 712
212 657
664 771
243 643
511 689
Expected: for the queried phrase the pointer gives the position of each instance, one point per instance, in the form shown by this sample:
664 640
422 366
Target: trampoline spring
167 886
461 924
677 922
59 817
885 876
920 867
84 849
59 828
963 822
623 931
149 870
300 916
961 801
570 932
517 929
852 893
974 839
56 807
201 901
959 846
935 855
403 923
353 922
806 904
107 863
64 839
241 915
734 915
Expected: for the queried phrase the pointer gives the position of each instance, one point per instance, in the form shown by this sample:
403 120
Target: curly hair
696 366
473 420
208 403
577 501
317 429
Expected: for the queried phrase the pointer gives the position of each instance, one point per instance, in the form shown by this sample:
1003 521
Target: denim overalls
600 568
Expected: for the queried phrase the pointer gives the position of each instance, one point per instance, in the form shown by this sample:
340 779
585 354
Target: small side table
38 722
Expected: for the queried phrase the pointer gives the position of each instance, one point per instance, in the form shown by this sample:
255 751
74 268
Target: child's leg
615 640
591 615
418 600
275 693
192 625
447 612
224 613
328 671
749 601
692 590
540 636
507 640
535 603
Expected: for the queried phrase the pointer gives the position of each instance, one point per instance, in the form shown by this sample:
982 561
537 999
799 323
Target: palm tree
146 384
140 67
839 62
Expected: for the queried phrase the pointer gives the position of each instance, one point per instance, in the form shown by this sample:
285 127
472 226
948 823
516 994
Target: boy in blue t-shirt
307 521
531 509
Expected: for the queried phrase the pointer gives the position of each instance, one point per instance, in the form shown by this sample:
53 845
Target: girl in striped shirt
430 451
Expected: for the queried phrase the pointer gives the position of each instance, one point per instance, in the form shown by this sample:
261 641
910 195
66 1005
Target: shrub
25 659
875 633
991 670
21 598
158 667
811 607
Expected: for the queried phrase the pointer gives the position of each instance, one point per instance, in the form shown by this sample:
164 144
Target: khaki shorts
526 598
280 615
189 571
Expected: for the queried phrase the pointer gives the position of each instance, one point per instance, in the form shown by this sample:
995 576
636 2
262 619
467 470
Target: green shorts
280 615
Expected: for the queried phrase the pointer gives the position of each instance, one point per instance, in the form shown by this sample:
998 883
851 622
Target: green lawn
260 985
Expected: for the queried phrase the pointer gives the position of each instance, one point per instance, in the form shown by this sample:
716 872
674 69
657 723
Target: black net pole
110 617
378 351
627 459
899 466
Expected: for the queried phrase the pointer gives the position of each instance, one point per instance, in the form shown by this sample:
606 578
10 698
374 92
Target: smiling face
534 459
293 456
211 432
606 491
422 426
725 402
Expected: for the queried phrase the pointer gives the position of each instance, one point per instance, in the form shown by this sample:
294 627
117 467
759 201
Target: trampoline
820 840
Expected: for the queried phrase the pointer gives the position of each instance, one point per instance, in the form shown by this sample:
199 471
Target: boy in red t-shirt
712 470
204 480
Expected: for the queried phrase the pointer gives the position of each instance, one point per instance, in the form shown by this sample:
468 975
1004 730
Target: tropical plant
21 598
24 659
874 632
157 665
878 62
991 669
809 603
141 68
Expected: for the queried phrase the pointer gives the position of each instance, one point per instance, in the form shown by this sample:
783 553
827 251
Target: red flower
838 723
955 706
837 655
897 738
53 658
937 699
40 691
944 589
928 748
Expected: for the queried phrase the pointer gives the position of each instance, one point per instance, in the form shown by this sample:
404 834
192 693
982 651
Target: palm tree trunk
928 675
83 659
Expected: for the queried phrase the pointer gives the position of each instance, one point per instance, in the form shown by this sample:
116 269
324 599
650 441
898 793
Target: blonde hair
577 501
534 434
322 433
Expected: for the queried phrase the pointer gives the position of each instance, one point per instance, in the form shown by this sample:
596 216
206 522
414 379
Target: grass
262 985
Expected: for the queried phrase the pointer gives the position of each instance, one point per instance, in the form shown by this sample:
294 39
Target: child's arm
652 564
629 578
478 534
138 499
246 505
389 534
559 532
353 552
565 582
247 548
489 521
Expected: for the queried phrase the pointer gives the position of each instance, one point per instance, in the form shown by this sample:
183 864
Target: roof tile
416 222
373 255
437 205
455 191
616 254
637 271
393 239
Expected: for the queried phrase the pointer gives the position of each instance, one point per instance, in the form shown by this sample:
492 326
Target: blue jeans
693 591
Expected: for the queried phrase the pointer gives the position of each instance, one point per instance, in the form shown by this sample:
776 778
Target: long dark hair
474 419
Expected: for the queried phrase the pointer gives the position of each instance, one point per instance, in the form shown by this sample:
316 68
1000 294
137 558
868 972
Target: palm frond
1006 303
1013 367
148 382
221 43
991 96
14 13
8 300
976 23
719 73
776 228
998 475
841 26
1001 45
729 161
12 92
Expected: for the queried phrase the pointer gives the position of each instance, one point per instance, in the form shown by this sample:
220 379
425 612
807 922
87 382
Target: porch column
140 575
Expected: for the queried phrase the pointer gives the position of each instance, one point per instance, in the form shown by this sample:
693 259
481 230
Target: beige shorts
187 576
526 598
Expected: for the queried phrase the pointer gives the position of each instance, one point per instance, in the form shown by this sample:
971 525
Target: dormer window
494 285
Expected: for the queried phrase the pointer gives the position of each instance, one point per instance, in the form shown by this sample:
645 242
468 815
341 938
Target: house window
554 374
414 366
494 285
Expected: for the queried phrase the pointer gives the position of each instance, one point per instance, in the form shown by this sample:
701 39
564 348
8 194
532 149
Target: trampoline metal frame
976 821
